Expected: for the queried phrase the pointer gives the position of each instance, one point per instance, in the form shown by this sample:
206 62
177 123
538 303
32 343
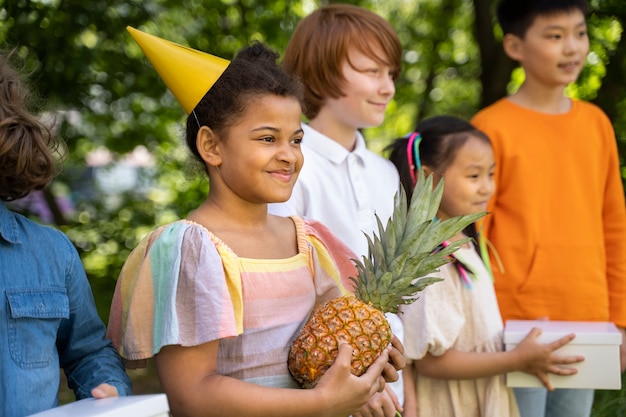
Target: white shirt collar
333 151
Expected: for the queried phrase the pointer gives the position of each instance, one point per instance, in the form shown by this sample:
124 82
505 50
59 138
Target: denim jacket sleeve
48 320
86 356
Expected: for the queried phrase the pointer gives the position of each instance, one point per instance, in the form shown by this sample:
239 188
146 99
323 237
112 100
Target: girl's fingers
562 341
344 354
396 343
566 360
545 381
381 384
563 371
376 368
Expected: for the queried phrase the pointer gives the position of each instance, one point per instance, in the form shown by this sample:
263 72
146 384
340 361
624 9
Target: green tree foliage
107 99
105 95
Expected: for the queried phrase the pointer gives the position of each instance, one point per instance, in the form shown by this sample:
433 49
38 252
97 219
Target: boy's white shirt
342 189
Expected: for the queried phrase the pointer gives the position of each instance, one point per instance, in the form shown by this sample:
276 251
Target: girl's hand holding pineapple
400 259
387 404
340 385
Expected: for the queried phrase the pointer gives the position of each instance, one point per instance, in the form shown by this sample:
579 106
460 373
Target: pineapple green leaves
403 254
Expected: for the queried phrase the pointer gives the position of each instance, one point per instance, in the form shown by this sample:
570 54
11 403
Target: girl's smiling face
259 155
468 180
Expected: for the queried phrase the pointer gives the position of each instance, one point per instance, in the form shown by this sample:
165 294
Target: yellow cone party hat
188 73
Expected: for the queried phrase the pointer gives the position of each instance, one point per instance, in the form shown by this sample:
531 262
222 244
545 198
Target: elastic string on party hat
196 117
413 155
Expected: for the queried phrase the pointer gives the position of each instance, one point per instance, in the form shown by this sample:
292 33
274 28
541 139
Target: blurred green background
126 170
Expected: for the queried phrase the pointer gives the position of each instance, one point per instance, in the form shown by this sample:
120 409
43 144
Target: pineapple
400 258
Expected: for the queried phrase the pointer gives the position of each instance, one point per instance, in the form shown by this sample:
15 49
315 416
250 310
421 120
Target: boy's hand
396 360
382 404
104 391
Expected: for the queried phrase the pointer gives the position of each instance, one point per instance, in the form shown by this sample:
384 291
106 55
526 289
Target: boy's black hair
516 16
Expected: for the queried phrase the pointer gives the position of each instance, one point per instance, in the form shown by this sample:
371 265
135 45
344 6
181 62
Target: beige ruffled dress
451 314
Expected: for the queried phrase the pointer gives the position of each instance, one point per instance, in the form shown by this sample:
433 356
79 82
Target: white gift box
598 342
153 405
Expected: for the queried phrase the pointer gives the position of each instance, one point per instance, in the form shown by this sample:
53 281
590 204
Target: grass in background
610 403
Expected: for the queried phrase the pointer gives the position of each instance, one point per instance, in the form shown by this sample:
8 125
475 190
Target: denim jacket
48 320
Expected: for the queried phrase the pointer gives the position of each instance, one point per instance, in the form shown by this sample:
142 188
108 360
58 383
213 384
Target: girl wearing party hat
216 298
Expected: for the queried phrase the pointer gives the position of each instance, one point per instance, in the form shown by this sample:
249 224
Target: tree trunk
613 88
496 65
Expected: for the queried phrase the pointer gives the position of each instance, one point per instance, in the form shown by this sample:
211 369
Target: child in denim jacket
48 318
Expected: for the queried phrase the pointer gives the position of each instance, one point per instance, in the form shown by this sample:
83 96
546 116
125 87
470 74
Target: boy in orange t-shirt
559 218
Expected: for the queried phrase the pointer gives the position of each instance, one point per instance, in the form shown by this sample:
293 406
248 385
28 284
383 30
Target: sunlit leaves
106 94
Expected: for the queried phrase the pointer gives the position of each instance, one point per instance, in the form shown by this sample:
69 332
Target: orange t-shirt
558 217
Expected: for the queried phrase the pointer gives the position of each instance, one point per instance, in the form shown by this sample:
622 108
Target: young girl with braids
454 332
217 298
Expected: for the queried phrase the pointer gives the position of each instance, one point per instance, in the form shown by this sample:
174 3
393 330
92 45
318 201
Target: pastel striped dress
183 286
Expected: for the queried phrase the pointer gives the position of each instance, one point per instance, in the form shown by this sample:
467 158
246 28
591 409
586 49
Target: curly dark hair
27 146
253 73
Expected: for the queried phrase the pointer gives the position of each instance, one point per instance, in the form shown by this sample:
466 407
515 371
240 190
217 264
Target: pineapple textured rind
309 359
401 259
